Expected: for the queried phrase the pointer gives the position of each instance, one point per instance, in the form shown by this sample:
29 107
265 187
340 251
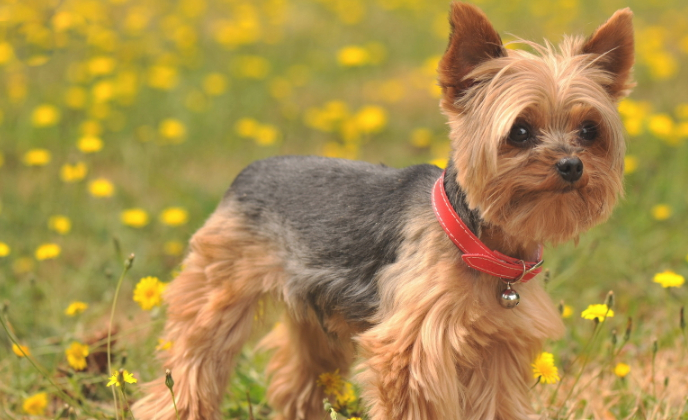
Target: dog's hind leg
211 308
302 352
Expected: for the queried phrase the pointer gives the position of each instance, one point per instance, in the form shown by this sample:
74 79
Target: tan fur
439 346
211 308
439 351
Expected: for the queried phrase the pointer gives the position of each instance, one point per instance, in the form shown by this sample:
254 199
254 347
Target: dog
415 272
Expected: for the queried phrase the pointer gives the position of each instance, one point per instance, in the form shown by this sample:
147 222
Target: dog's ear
612 46
472 41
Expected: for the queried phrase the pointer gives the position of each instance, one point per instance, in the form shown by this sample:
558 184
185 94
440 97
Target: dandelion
101 187
20 351
621 370
599 311
35 404
544 369
630 164
421 137
353 56
246 127
73 173
567 311
47 251
75 97
172 129
6 52
148 292
661 212
173 248
102 65
669 279
266 135
331 382
371 119
37 157
174 216
163 344
89 144
214 84
163 77
76 355
4 249
136 218
45 115
60 224
76 308
125 377
345 395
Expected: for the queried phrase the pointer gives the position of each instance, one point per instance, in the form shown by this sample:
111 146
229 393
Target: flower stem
127 265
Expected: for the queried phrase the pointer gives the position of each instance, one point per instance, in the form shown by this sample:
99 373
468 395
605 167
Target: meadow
122 123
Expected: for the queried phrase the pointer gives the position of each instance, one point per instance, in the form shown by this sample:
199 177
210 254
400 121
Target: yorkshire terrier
416 271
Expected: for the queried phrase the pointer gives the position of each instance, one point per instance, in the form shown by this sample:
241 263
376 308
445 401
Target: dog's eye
588 131
519 134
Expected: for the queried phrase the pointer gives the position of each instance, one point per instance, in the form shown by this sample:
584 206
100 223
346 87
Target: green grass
279 68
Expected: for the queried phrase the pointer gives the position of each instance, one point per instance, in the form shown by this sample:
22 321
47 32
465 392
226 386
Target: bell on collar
509 298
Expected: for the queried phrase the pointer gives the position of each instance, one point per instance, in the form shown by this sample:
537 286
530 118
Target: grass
183 94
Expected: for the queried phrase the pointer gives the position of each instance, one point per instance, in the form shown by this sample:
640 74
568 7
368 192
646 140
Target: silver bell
509 298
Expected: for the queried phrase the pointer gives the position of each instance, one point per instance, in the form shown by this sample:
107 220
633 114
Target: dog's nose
570 168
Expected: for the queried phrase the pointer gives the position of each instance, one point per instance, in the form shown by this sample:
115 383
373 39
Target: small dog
413 270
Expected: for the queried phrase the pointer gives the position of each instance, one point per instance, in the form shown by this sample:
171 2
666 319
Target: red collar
475 254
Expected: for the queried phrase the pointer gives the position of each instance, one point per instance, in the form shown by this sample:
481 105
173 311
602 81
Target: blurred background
122 123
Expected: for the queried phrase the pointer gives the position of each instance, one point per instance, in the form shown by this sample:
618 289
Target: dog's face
536 137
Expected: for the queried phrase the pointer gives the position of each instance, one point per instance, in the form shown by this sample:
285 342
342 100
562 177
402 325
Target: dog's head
536 136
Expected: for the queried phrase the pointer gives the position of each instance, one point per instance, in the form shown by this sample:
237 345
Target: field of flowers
122 122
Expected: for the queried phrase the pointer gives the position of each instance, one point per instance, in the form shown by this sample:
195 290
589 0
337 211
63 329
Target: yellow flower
17 349
174 216
599 311
101 187
266 135
214 84
544 369
163 344
621 370
75 308
125 377
75 97
45 115
36 404
163 77
89 144
76 355
246 127
630 164
47 251
441 162
37 157
669 279
421 137
567 312
331 382
101 65
136 218
345 395
6 52
172 129
148 292
4 249
371 119
353 56
661 212
173 248
252 67
73 173
60 224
